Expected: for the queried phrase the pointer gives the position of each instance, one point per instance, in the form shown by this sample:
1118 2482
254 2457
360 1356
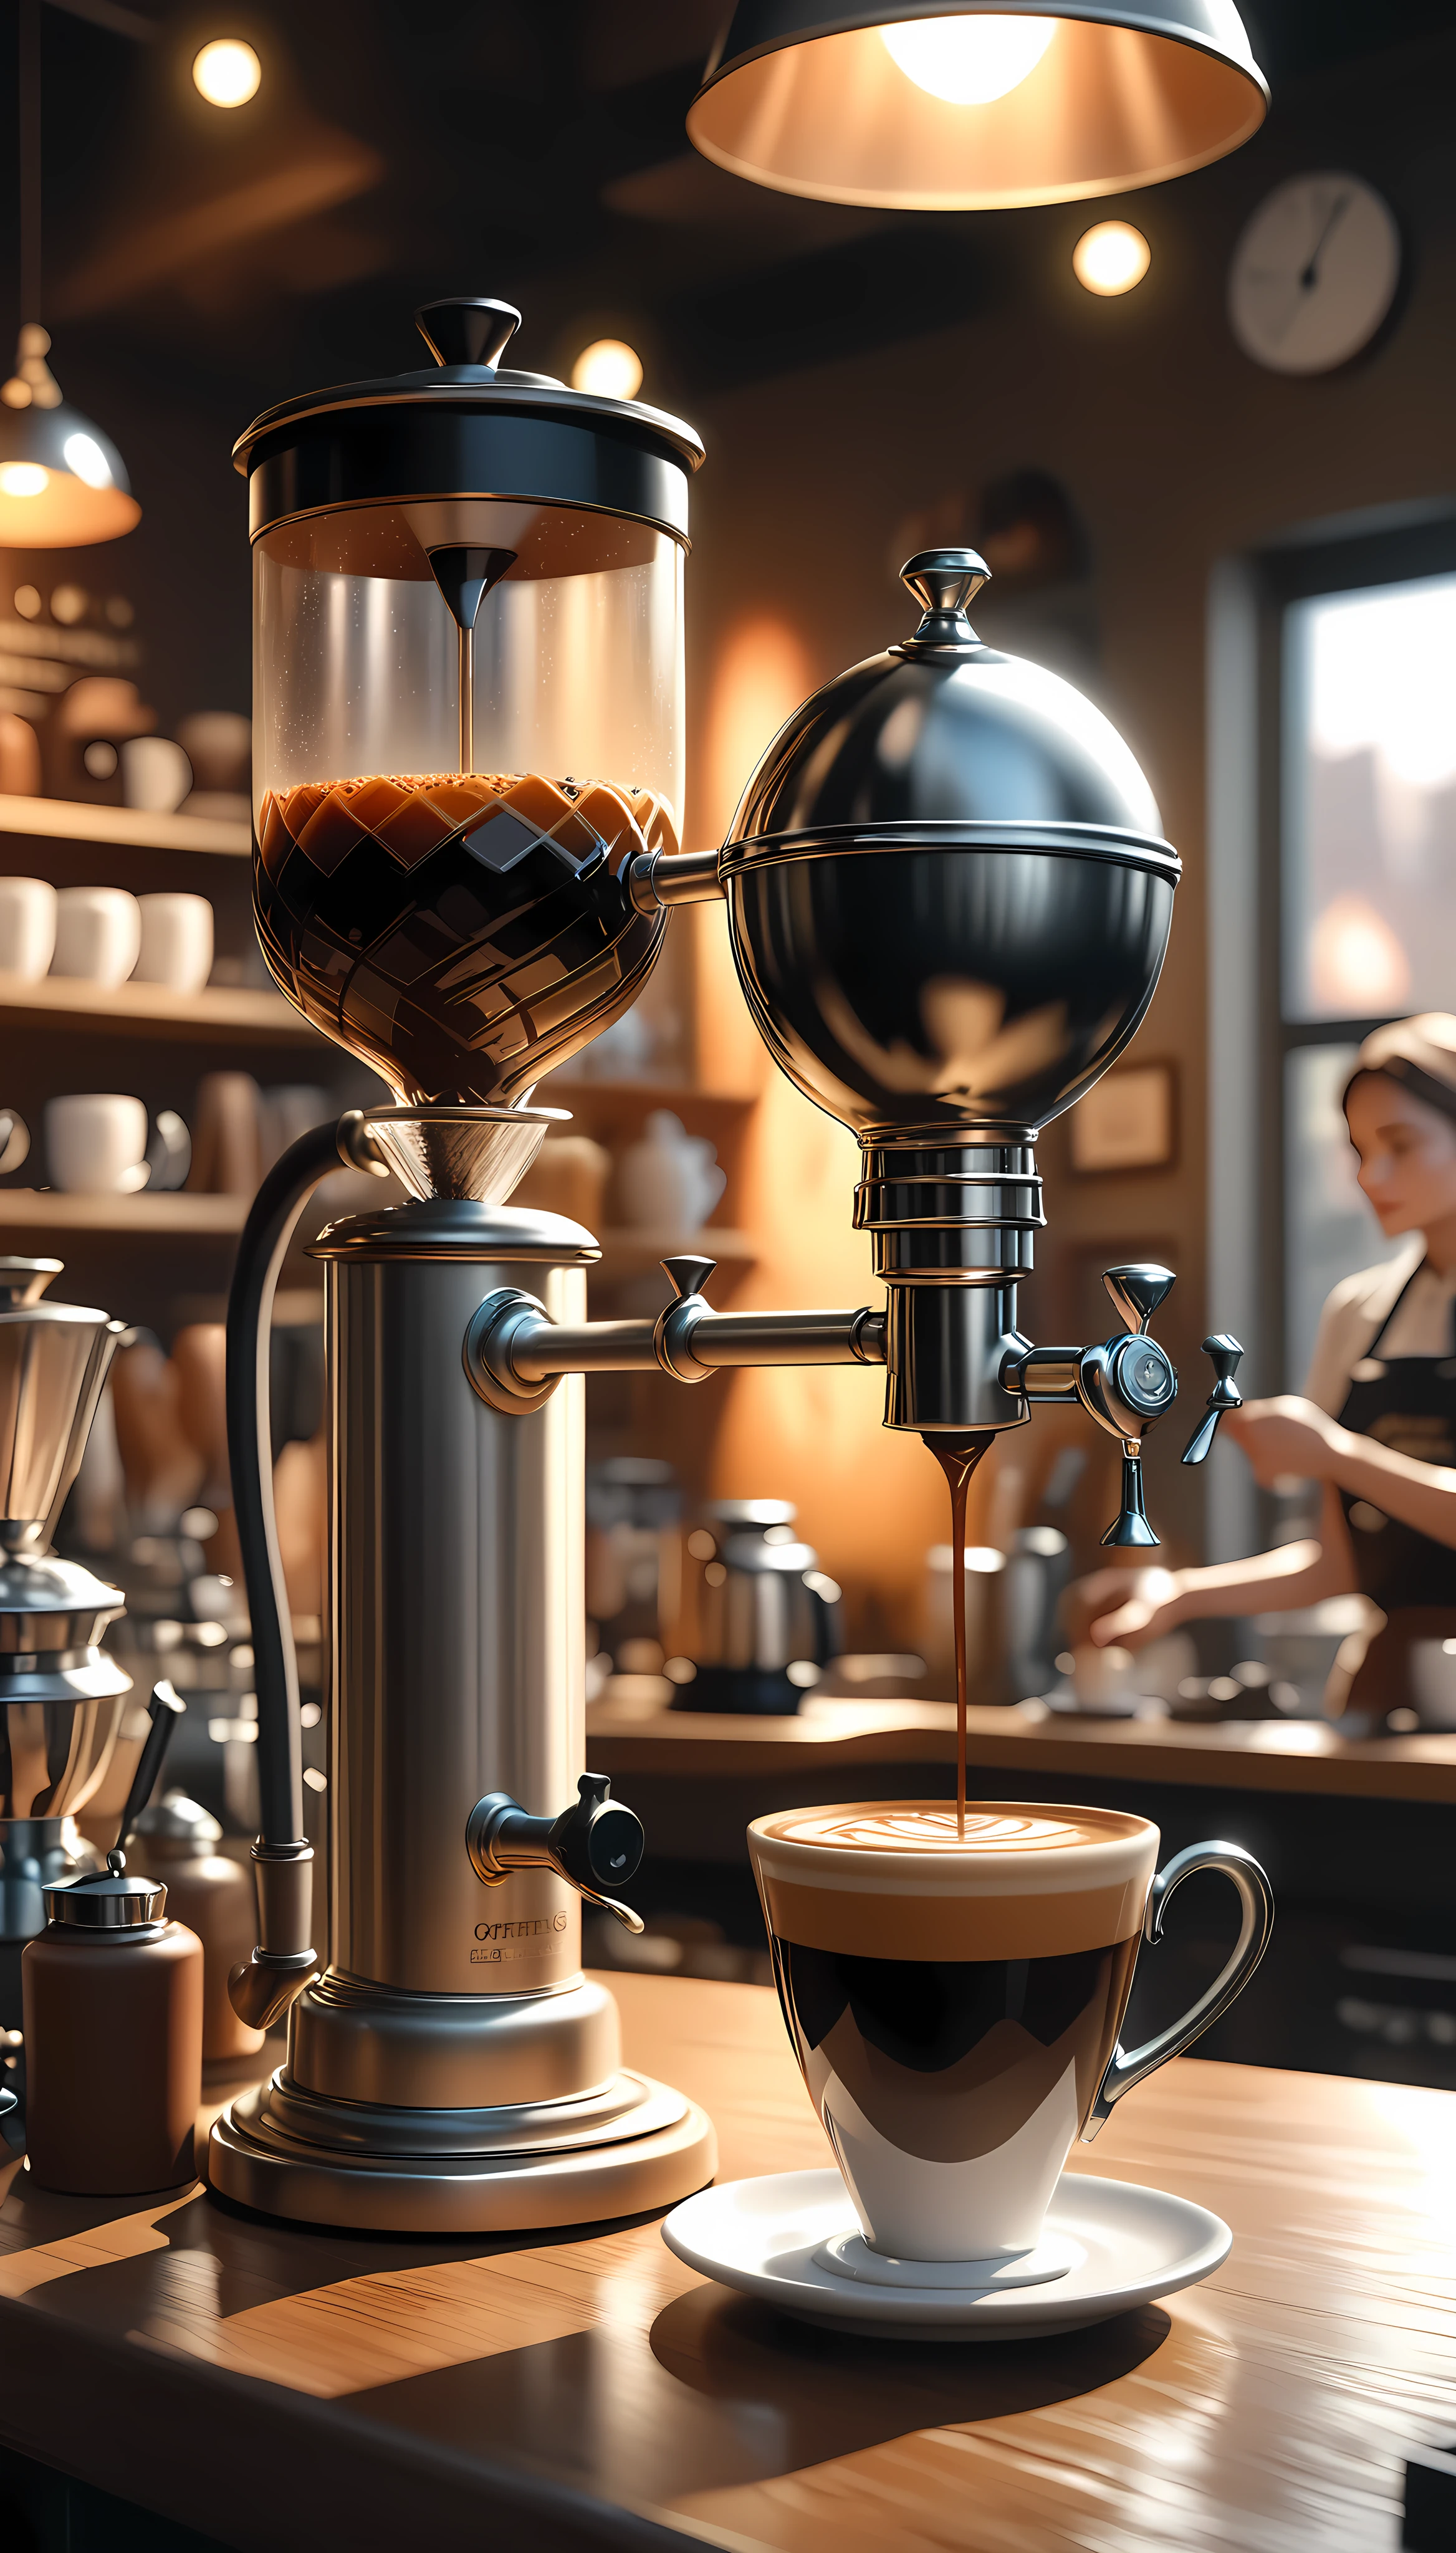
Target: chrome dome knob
944 583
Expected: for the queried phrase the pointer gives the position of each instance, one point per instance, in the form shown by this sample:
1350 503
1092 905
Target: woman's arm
1293 1436
1122 1608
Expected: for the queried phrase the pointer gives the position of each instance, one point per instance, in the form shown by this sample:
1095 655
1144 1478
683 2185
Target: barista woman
1376 1426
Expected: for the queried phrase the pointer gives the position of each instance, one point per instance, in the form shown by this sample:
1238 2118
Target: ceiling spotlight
609 368
1111 258
969 62
227 72
967 106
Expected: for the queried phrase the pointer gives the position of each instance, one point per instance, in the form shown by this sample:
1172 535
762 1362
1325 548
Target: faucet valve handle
595 1842
687 1275
1129 1529
1224 1354
1137 1291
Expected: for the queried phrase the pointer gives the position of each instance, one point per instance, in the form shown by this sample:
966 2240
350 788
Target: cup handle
1128 2068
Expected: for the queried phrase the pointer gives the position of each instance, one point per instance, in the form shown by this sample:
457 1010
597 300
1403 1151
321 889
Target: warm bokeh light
763 673
1111 258
969 62
23 478
1357 966
227 72
609 367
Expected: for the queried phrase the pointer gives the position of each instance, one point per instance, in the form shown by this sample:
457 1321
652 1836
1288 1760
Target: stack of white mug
98 1141
102 934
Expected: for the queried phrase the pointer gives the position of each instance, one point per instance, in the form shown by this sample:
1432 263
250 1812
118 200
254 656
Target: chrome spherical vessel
949 890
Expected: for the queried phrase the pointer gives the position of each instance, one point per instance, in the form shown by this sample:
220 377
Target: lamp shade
975 103
62 484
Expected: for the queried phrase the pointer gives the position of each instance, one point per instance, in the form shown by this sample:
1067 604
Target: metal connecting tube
515 1353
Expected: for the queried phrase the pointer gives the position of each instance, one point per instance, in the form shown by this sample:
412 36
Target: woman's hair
1418 1053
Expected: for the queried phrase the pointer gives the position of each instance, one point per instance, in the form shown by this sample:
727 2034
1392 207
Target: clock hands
1309 272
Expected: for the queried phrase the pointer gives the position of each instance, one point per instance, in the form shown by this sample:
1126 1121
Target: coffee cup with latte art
953 1997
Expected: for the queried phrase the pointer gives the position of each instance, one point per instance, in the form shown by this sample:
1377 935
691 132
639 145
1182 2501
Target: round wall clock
1314 273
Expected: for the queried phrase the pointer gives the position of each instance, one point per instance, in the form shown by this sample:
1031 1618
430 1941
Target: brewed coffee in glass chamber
469 716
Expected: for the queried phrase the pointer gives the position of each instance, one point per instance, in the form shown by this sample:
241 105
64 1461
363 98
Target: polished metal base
625 2149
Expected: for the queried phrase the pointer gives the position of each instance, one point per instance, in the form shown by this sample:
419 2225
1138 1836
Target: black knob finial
688 1274
467 329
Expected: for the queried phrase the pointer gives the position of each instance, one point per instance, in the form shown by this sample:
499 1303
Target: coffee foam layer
1005 1892
936 1830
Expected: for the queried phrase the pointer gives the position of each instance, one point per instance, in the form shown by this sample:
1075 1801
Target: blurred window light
23 478
227 72
1111 258
1370 801
609 367
969 62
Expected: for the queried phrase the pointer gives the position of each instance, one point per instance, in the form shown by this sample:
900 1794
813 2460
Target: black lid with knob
469 427
942 739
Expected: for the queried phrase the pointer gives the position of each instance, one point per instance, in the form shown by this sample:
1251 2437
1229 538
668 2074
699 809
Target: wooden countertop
1248 1756
287 2389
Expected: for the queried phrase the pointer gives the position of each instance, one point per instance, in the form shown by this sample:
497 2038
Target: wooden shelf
62 819
50 1210
232 1014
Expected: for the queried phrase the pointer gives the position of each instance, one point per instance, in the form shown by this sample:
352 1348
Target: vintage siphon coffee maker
62 1696
949 899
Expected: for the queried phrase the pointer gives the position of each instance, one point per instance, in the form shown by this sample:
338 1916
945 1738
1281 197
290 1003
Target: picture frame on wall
1127 1122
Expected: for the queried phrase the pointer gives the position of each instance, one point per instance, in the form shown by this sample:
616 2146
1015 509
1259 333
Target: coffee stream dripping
465 575
958 1457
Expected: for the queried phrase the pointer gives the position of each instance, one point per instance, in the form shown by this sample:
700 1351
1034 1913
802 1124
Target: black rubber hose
264 1244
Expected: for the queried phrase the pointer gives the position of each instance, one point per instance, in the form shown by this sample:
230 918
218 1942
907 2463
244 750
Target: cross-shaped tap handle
1224 1355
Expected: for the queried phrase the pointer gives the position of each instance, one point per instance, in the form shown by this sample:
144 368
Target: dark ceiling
402 148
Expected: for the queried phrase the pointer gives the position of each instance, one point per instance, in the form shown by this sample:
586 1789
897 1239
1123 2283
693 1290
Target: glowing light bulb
227 72
609 368
23 478
1111 258
83 455
969 62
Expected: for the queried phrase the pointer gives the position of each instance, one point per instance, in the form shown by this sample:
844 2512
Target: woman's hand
1285 1438
1122 1608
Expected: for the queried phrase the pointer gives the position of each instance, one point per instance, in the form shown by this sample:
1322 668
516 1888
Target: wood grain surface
284 2389
1303 1755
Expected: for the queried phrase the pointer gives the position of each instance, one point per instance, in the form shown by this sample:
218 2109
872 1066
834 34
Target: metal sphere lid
174 1819
943 741
469 427
113 1900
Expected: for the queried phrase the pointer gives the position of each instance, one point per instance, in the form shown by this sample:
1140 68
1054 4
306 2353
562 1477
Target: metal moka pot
62 1695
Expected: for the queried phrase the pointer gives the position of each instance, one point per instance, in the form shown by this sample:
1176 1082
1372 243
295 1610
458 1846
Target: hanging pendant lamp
979 103
61 481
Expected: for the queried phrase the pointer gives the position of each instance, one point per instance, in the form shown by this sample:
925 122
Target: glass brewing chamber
468 706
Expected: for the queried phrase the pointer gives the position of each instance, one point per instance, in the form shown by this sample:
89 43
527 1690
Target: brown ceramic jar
215 1898
113 2039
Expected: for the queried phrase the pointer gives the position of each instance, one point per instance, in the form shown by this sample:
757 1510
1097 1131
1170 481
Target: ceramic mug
177 942
27 927
96 1144
98 933
669 1181
954 2000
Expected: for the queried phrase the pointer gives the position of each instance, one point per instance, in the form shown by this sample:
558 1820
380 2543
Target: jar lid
469 427
175 1819
113 1900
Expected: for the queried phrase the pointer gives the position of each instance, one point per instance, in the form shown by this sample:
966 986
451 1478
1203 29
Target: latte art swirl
926 1830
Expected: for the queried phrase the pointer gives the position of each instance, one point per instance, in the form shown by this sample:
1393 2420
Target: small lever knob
1224 1354
688 1274
468 329
1137 1289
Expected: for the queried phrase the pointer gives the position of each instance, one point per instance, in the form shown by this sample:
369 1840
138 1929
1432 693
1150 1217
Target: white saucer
771 2239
